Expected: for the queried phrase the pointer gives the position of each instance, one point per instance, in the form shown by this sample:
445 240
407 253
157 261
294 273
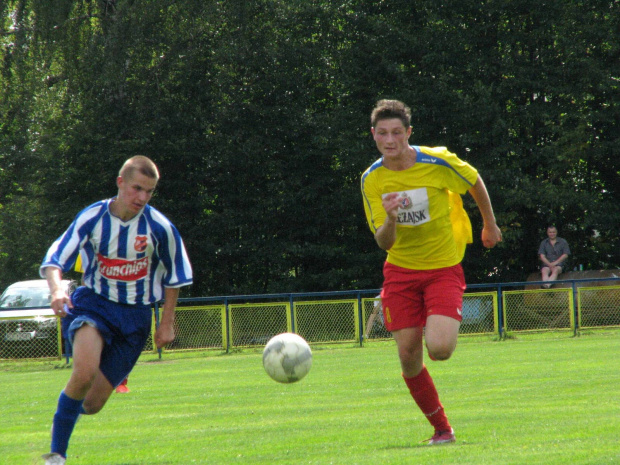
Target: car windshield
25 297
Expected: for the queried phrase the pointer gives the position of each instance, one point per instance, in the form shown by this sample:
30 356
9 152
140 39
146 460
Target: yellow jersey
432 227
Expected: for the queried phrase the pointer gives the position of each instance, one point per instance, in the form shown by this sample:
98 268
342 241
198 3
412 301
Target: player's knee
92 410
81 381
440 356
91 407
440 353
408 355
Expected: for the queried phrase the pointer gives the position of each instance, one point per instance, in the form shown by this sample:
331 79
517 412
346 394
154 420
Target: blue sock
65 417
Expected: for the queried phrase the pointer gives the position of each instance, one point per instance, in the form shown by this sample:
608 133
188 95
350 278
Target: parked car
28 326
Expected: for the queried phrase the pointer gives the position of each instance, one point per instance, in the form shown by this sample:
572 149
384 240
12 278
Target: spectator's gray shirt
553 252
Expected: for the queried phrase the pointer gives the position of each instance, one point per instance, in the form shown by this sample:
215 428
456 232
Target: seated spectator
553 253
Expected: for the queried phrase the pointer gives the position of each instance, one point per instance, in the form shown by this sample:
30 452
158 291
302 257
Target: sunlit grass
529 400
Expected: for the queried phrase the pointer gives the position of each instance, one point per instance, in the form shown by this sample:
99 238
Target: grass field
531 400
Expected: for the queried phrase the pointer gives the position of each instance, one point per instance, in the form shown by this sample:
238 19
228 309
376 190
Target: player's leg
409 342
418 380
545 273
98 394
443 301
118 359
87 347
441 335
405 315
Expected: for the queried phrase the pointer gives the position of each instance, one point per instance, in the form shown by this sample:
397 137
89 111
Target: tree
258 115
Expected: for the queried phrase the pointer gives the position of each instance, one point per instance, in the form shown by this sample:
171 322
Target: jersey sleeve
459 176
171 253
179 268
65 250
373 206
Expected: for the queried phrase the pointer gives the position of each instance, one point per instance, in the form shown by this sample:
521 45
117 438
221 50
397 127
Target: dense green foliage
257 113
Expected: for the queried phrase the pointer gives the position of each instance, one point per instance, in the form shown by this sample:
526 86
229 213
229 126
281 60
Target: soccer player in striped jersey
413 208
121 388
132 257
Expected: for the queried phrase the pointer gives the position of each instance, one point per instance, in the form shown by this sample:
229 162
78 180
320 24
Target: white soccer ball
287 358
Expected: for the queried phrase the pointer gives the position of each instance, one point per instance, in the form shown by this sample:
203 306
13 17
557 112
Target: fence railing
234 322
347 316
570 304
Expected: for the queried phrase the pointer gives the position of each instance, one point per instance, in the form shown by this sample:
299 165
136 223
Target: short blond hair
139 163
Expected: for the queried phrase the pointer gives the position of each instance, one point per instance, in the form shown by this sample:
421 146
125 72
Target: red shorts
410 296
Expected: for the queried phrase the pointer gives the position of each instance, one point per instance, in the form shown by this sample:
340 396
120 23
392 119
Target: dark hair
388 109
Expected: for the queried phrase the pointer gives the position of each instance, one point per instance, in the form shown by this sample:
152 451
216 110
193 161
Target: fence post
575 310
156 312
500 311
227 329
292 310
360 313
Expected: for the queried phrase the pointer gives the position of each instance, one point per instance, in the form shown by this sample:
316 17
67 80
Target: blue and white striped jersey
126 262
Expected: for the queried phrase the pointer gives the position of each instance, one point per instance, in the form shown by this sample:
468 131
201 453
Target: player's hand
491 235
164 335
61 303
391 203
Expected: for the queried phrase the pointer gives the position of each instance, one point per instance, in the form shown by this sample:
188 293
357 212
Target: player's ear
372 131
119 181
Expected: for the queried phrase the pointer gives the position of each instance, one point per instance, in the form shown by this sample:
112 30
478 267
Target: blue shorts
124 328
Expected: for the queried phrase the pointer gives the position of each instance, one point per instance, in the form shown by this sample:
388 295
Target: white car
28 327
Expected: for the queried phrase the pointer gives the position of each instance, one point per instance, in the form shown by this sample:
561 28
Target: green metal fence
548 309
598 307
231 322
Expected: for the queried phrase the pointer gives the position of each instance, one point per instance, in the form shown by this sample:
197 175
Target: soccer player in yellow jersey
413 208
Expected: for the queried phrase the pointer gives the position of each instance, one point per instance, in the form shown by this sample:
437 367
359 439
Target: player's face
391 137
552 233
133 194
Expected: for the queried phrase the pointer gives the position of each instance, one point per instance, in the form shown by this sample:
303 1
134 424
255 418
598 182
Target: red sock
425 395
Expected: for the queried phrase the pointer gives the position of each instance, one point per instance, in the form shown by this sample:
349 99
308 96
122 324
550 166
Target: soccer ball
287 358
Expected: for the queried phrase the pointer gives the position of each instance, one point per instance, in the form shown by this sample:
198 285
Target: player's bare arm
59 297
491 234
386 233
165 333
